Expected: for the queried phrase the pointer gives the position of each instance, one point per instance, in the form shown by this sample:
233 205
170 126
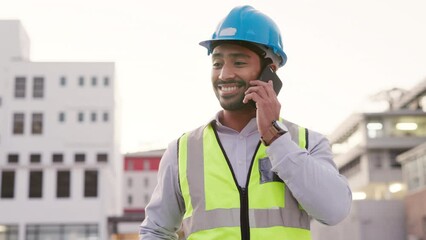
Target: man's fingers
259 90
267 87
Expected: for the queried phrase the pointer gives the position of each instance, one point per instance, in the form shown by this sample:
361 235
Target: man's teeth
229 89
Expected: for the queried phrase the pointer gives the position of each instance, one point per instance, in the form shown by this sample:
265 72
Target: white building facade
60 161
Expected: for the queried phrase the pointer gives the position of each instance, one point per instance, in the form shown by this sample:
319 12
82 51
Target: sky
340 54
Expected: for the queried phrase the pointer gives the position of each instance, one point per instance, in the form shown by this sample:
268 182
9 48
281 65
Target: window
79 157
93 117
91 183
63 184
378 162
129 200
102 157
105 117
38 87
37 123
407 126
18 123
63 81
392 157
9 232
129 182
13 158
94 81
61 231
61 117
36 183
57 157
146 181
106 81
130 165
35 158
7 184
81 81
20 86
375 128
146 165
375 158
80 117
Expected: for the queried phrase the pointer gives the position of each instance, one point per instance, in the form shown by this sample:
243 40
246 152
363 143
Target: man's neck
237 120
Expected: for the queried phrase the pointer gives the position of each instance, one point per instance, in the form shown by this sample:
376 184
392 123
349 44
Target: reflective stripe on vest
212 197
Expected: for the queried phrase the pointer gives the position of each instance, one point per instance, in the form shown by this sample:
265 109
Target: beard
233 103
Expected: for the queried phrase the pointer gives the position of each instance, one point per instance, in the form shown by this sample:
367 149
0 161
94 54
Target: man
248 174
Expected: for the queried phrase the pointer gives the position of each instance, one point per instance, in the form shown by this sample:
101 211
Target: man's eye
217 64
239 63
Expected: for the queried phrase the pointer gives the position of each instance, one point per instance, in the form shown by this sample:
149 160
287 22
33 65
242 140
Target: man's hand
267 104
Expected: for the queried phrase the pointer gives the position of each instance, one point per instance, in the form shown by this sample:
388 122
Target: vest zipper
244 214
243 191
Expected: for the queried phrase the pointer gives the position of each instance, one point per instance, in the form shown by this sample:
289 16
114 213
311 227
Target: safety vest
217 208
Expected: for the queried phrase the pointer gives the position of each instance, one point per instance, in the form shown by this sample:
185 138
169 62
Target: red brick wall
137 163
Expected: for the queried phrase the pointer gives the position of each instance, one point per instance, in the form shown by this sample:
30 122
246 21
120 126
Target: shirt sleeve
164 212
312 177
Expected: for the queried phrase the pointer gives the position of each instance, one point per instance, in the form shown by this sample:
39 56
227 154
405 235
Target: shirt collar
250 128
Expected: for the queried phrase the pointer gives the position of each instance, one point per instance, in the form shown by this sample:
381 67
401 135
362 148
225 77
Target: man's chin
237 106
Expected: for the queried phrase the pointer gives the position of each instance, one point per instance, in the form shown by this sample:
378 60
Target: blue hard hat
244 23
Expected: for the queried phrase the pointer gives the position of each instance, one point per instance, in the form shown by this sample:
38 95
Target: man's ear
273 67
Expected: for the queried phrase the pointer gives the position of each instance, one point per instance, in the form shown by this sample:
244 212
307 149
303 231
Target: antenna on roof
391 96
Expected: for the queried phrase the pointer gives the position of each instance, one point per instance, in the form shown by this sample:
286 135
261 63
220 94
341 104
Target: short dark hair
249 45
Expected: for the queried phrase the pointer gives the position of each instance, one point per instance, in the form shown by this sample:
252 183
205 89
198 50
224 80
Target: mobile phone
269 74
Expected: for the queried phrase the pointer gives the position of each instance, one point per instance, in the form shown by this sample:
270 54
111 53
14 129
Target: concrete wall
142 186
368 220
348 229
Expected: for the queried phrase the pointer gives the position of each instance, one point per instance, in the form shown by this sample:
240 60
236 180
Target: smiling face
233 66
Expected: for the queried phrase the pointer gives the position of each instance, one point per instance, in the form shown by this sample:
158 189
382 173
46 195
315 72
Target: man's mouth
229 88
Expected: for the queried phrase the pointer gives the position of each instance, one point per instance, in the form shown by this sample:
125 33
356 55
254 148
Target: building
60 161
139 181
414 175
366 147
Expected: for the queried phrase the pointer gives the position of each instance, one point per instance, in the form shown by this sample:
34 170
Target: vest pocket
266 174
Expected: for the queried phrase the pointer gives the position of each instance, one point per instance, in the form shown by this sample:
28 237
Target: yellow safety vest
217 208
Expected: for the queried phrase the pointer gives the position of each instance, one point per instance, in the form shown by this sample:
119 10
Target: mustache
239 83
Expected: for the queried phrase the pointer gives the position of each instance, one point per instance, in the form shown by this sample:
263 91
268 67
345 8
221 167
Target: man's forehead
232 50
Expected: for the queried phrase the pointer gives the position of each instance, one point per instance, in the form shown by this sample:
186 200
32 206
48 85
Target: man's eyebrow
217 55
232 55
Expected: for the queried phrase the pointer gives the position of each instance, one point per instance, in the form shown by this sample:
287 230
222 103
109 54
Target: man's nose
226 73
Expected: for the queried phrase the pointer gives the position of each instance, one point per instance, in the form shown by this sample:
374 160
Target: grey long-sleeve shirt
311 176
